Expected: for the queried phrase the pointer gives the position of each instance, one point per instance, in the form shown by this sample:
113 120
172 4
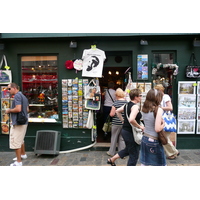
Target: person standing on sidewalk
17 131
166 105
109 99
116 137
133 111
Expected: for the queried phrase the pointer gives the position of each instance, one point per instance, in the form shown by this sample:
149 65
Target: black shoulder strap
110 95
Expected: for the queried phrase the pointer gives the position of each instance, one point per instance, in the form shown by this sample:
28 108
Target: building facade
38 64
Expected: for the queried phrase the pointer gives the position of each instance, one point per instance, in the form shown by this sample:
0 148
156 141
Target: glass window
164 58
40 86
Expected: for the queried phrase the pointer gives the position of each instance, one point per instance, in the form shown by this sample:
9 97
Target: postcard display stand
74 113
188 107
6 103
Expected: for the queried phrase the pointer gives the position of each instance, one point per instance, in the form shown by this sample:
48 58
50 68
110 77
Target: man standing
17 131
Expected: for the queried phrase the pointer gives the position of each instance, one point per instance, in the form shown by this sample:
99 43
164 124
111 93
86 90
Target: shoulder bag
107 125
192 70
5 75
137 132
170 121
161 135
21 117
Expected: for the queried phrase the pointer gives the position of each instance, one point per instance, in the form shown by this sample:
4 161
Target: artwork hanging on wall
142 67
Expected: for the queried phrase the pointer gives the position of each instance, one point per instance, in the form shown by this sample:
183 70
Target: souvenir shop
64 77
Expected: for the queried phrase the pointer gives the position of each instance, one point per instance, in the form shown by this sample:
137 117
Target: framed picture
186 127
187 114
187 101
198 127
198 114
141 86
147 87
5 103
142 67
188 87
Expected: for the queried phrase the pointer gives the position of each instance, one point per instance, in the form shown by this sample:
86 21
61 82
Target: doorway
115 74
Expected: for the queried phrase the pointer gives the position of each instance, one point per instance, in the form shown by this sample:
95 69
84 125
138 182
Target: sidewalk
92 157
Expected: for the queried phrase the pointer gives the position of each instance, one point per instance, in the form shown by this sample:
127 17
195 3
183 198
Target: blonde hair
120 93
159 87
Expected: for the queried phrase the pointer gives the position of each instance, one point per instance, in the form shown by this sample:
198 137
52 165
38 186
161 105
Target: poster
142 67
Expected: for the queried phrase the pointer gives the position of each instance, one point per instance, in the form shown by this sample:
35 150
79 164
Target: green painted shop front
126 46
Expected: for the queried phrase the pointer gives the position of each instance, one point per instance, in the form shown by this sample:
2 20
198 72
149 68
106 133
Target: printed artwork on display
142 67
74 113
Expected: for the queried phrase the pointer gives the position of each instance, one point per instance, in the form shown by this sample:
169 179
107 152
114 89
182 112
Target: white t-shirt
165 99
93 60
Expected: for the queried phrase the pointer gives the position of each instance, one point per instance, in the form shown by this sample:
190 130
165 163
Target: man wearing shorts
17 131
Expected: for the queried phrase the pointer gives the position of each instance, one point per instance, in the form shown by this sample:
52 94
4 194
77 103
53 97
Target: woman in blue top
133 112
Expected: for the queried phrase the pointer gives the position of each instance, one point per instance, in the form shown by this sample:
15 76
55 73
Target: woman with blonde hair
116 137
166 105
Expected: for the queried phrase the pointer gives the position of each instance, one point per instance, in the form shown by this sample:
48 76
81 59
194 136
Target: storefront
56 92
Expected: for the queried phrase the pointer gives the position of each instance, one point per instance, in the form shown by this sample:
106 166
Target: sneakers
16 164
22 156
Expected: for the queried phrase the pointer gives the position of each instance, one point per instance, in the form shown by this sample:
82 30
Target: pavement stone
92 157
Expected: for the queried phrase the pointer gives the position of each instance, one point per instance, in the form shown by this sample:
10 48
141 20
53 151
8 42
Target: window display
40 86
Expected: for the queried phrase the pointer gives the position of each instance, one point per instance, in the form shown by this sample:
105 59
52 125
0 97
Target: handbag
192 70
90 120
21 117
91 90
5 75
107 125
137 132
170 122
161 134
92 104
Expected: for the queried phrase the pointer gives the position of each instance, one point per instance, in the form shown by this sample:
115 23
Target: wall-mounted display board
74 113
188 107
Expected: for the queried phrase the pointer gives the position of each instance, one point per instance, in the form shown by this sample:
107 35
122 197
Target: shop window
164 62
40 86
164 58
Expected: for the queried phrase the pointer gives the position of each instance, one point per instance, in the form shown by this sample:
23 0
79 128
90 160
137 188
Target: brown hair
134 93
153 100
111 84
14 85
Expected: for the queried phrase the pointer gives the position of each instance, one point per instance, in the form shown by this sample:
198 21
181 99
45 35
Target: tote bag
170 122
5 75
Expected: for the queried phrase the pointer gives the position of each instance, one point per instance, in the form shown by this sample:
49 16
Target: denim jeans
132 148
152 152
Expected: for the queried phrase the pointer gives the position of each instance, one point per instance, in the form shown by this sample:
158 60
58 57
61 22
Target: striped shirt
117 104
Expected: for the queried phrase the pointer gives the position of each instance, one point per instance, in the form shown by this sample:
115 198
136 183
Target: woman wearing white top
166 105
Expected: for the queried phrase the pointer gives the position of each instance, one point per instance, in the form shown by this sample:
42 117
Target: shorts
17 134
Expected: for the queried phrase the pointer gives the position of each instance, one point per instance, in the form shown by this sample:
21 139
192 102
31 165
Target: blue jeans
152 152
132 148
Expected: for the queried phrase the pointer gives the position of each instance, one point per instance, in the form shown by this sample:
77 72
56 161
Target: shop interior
119 75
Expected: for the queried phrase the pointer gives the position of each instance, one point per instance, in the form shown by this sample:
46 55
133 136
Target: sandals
171 157
109 161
